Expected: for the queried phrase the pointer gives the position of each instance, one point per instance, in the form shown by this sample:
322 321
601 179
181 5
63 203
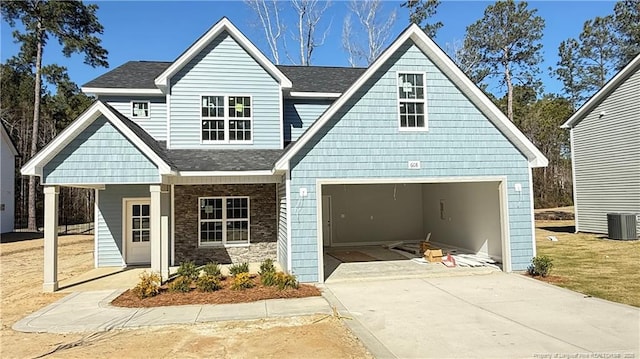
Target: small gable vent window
411 101
140 109
226 119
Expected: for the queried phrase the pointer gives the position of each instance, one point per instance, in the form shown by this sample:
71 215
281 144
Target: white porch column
164 244
50 239
155 228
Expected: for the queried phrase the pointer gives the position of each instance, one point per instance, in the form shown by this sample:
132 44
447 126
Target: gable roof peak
442 61
599 96
224 24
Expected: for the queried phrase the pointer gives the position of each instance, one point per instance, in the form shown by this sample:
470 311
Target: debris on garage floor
413 250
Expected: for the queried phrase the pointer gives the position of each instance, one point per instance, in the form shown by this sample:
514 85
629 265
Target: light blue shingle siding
155 125
299 114
109 222
363 141
224 68
100 155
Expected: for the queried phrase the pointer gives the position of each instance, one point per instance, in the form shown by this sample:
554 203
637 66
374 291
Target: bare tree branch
269 16
310 13
374 24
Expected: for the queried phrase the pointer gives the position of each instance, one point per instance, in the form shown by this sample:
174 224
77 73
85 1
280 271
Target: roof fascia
597 98
121 91
303 94
162 81
9 141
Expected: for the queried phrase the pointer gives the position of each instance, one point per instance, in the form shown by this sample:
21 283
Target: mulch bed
226 295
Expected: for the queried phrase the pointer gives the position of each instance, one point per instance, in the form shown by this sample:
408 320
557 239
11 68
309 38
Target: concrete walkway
494 315
91 312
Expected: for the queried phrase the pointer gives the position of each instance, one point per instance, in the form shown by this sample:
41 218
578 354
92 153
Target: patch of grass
591 264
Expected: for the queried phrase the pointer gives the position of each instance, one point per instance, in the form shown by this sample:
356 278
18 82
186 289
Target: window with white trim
226 119
140 109
223 220
411 101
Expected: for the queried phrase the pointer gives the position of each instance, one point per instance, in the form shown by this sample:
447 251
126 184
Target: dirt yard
20 290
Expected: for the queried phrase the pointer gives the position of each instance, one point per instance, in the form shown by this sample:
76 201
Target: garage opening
360 220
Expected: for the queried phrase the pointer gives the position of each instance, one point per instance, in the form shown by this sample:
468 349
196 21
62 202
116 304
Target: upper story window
411 101
140 109
226 119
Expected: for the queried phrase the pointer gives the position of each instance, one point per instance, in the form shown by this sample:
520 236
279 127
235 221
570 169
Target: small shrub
181 284
212 269
242 281
269 279
238 268
208 283
267 266
285 280
540 265
188 270
148 286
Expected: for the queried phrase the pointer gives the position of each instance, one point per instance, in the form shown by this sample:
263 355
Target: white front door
326 221
137 233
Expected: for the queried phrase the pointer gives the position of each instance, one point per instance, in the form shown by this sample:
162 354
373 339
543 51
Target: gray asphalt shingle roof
321 78
223 160
131 75
141 75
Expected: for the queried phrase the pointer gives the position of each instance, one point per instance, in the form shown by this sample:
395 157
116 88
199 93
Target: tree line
504 47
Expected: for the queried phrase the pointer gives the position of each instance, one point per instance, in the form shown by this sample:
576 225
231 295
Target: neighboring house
221 155
8 155
605 151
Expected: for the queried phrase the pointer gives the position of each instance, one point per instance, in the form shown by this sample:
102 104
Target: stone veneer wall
263 224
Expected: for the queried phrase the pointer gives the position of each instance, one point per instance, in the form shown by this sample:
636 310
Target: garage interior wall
464 215
375 213
380 213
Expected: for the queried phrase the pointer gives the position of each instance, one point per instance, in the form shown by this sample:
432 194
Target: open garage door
463 216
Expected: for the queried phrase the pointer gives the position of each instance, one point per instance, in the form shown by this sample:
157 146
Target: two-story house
223 156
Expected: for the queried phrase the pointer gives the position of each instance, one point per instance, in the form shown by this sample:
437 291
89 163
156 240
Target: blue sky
162 30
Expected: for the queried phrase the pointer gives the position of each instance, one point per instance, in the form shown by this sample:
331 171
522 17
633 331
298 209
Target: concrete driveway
494 315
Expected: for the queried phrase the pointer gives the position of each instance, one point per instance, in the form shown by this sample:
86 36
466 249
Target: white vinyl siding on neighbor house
606 158
412 112
226 119
155 124
223 67
223 221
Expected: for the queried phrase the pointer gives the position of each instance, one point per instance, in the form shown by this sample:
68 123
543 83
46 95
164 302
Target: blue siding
362 141
155 125
224 68
109 222
299 114
100 155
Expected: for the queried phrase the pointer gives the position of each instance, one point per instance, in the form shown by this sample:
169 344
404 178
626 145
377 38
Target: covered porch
138 237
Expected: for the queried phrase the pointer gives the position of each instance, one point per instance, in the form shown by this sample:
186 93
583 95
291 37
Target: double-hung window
224 220
226 119
411 101
140 109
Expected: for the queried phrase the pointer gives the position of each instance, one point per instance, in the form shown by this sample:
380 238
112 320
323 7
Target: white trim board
36 164
415 34
163 80
609 87
121 91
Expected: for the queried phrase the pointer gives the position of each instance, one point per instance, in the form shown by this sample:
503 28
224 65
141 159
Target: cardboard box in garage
433 255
